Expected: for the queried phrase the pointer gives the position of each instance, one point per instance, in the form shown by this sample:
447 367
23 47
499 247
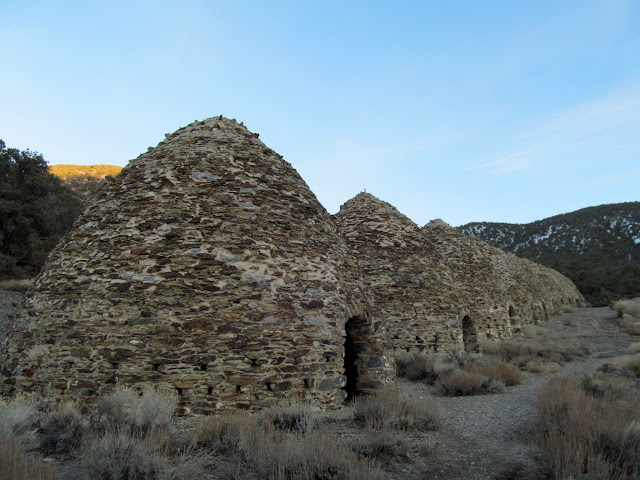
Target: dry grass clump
293 416
123 454
457 373
15 285
635 347
539 355
251 447
630 324
629 313
531 331
567 309
609 380
414 365
127 408
425 367
541 366
536 353
20 422
386 408
421 368
493 347
590 433
630 363
478 376
16 464
19 437
62 428
463 382
316 455
627 361
403 359
124 436
131 436
630 307
381 445
230 434
497 370
120 454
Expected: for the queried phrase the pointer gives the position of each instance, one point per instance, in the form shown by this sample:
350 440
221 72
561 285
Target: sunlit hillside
84 180
65 172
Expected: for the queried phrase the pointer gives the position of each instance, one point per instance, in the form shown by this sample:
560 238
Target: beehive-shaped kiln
503 292
438 289
412 285
208 268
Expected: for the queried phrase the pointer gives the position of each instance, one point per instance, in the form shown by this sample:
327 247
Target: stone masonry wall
207 268
413 287
513 290
429 282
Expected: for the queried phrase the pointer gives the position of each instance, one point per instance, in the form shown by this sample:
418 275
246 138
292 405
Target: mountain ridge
598 247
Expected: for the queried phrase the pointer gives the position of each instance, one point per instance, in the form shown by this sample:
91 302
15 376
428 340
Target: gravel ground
488 436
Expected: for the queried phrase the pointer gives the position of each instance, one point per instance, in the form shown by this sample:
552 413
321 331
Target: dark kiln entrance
469 335
355 346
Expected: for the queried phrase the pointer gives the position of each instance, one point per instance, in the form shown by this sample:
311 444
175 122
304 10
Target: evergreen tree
36 210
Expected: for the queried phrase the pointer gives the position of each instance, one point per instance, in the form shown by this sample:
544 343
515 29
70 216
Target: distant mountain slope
596 247
84 180
66 172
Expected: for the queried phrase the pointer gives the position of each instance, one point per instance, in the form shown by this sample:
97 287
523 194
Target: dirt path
487 437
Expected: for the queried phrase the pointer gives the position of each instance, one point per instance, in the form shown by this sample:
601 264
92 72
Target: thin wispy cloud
598 130
509 164
445 112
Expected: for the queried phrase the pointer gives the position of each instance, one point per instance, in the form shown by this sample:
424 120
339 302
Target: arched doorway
350 358
469 335
357 356
513 320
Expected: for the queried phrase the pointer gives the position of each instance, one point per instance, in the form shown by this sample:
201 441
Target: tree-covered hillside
36 210
598 248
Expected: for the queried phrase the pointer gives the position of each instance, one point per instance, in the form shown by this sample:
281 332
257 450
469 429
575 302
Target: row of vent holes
156 366
209 390
239 387
203 366
269 385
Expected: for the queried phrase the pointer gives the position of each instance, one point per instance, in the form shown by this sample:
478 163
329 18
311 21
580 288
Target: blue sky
463 110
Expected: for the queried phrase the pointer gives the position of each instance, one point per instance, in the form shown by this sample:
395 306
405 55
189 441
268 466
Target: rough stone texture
437 289
413 287
10 304
207 267
508 289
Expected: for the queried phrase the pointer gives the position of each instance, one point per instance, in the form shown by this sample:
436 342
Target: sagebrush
590 430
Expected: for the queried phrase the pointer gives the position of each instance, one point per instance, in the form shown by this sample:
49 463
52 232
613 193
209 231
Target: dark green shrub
36 210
